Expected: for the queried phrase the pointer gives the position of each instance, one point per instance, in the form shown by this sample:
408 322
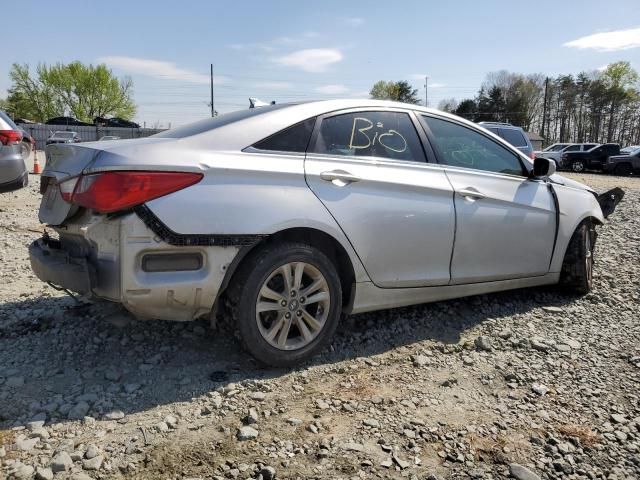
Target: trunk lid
66 161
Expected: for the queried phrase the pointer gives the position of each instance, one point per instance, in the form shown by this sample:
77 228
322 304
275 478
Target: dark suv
516 136
593 159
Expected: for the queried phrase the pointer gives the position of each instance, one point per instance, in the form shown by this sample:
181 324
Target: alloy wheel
292 306
588 258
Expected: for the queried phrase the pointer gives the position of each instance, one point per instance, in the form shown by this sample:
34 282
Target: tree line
82 91
600 106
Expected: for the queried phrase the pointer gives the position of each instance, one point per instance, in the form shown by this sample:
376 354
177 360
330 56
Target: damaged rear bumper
56 266
609 200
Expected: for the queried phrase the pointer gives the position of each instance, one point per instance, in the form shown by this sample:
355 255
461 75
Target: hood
567 182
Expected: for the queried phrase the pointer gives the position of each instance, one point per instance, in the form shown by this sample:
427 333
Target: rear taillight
114 191
10 137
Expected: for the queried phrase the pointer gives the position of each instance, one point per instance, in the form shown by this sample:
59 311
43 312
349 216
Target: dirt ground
525 384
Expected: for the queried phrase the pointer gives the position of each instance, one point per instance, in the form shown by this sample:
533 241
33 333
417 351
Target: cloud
417 76
311 60
274 85
437 85
353 21
156 68
332 89
608 41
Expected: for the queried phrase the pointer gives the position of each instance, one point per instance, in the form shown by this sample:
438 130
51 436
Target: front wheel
577 268
286 300
577 166
623 169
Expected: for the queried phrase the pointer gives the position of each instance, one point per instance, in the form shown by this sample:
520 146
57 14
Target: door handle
471 193
339 177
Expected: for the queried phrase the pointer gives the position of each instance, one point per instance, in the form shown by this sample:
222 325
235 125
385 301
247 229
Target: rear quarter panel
250 193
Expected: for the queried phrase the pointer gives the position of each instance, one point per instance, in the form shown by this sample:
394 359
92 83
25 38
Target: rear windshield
216 122
514 137
555 148
6 118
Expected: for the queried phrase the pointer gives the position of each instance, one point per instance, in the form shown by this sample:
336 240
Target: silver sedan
284 217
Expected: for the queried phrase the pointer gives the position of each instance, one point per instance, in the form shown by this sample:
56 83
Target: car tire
577 267
624 169
577 166
285 335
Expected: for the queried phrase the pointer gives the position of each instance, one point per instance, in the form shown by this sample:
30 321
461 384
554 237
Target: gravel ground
526 384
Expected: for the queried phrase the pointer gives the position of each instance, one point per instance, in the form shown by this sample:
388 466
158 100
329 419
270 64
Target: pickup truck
624 164
593 159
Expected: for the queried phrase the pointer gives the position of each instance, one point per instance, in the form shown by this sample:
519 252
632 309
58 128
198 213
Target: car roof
251 127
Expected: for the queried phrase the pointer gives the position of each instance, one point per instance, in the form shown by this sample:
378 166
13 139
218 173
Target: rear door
505 222
369 169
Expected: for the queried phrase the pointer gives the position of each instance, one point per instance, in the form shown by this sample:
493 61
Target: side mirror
543 168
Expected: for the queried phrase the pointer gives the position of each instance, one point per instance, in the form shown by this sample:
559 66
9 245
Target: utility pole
213 110
426 91
544 107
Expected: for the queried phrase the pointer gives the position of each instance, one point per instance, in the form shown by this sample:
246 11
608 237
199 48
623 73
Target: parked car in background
67 121
629 150
301 212
592 159
109 137
115 122
64 137
13 170
555 151
516 136
28 144
624 164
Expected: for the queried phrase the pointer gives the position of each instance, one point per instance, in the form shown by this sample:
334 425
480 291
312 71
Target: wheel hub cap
292 306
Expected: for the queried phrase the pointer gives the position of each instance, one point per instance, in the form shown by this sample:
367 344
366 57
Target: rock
538 344
171 421
505 334
483 343
114 415
312 428
371 422
420 360
539 389
44 473
78 411
252 417
131 387
322 405
22 471
258 396
35 425
401 463
61 462
386 463
80 476
93 463
3 452
26 444
247 433
268 473
294 421
353 447
161 427
552 309
14 382
112 374
522 473
618 418
91 452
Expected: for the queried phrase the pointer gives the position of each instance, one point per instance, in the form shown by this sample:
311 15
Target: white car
286 216
554 152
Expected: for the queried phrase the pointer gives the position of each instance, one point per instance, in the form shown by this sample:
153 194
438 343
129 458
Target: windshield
63 134
631 150
556 147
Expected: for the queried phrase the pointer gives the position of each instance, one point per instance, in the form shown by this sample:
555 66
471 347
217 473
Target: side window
589 146
292 139
572 148
514 137
463 147
370 134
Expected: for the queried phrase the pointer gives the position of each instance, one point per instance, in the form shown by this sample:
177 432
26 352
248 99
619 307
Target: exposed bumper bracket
609 200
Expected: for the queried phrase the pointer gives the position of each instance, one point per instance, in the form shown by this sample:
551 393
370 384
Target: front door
505 222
